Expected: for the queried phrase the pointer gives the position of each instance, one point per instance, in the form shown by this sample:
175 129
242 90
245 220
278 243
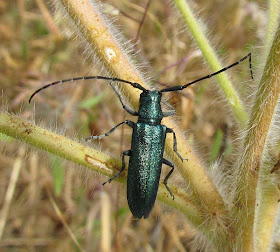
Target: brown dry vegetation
50 193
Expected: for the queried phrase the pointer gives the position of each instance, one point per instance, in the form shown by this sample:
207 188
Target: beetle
148 141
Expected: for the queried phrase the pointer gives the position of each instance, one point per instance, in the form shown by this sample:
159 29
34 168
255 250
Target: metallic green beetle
148 141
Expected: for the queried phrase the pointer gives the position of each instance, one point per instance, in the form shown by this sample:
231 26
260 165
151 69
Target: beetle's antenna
177 88
134 84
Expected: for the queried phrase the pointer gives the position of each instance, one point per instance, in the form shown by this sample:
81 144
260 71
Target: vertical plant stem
213 62
268 195
105 222
10 190
274 12
261 118
267 192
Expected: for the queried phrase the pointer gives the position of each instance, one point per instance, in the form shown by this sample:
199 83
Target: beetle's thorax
149 107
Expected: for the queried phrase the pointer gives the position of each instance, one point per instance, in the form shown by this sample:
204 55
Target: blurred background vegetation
54 203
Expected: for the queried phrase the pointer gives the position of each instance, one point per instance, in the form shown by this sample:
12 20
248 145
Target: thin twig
142 21
10 190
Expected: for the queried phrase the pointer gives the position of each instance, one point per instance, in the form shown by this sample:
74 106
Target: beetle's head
150 97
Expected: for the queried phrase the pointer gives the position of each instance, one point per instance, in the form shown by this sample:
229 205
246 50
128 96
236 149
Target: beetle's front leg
129 110
129 123
165 161
169 130
125 153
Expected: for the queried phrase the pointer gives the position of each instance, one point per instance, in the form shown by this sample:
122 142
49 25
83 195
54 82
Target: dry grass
56 206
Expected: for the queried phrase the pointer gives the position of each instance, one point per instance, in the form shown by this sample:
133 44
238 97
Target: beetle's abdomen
145 167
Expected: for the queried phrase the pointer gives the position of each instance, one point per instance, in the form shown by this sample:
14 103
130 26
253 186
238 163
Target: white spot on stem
110 53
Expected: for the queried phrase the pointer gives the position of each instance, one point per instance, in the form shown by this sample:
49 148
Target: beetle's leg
125 153
169 130
129 110
165 161
129 123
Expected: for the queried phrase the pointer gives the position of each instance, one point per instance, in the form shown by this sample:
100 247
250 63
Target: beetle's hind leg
169 130
129 123
125 153
165 161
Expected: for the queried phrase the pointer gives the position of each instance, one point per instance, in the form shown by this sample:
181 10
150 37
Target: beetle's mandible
148 141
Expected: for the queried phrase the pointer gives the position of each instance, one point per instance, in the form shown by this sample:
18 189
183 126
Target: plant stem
93 159
272 25
6 205
253 153
213 62
268 196
59 145
268 193
91 23
96 30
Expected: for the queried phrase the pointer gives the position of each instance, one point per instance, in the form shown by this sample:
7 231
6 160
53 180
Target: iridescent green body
148 140
146 154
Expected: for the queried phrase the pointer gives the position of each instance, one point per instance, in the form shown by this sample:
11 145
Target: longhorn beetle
148 141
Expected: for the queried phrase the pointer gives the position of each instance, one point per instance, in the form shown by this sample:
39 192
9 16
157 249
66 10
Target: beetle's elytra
148 141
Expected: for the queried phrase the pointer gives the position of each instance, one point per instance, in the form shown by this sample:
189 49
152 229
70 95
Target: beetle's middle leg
169 130
125 153
165 161
129 123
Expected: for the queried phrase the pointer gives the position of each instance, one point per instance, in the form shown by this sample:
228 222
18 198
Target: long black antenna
136 85
177 88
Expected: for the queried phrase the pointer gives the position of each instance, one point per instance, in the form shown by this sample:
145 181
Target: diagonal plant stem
254 147
213 62
91 158
94 29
